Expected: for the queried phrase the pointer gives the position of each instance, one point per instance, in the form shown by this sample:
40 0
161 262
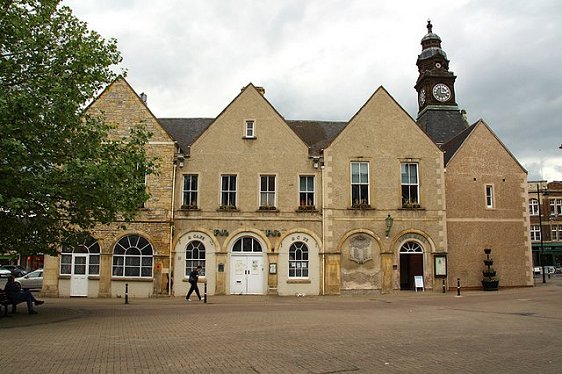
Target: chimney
143 97
261 90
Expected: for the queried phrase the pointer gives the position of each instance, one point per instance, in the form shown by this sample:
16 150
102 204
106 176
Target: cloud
322 59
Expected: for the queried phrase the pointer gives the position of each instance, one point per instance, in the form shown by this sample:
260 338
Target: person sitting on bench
16 295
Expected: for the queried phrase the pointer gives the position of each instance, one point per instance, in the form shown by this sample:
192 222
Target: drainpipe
323 230
174 171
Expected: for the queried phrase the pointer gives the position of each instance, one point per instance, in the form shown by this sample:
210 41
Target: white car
32 281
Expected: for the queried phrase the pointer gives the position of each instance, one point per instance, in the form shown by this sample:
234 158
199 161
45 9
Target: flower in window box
307 207
189 206
227 207
361 204
267 207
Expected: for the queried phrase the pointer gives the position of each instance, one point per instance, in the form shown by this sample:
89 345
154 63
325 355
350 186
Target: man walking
193 277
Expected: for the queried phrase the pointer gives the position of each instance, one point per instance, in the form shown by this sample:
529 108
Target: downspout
323 228
172 215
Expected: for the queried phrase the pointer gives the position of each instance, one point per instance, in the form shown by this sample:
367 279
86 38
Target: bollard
444 286
205 294
458 286
126 293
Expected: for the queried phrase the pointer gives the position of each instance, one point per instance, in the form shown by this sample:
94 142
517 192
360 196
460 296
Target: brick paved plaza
515 330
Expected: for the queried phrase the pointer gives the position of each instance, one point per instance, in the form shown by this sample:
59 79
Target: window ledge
361 208
307 210
267 210
249 137
187 207
132 279
411 208
298 281
234 209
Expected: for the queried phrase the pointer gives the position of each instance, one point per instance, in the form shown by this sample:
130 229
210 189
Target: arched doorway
247 275
411 264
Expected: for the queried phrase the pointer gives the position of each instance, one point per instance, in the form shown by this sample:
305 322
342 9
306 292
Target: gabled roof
316 134
451 147
185 130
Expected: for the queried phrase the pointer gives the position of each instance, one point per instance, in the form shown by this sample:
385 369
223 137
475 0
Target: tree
61 172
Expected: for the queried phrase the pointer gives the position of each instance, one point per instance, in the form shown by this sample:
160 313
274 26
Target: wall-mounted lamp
389 221
316 162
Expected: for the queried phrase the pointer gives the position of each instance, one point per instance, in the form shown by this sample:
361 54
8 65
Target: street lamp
541 253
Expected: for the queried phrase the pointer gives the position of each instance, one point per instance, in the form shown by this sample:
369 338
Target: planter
490 284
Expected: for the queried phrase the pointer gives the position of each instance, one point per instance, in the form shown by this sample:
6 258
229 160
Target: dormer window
250 129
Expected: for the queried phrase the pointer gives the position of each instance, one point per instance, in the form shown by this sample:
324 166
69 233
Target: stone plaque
360 249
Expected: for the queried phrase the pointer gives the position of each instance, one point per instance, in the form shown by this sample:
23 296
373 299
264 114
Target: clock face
421 97
441 92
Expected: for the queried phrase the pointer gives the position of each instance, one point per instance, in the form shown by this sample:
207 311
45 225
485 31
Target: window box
307 207
227 207
361 206
410 205
267 208
189 207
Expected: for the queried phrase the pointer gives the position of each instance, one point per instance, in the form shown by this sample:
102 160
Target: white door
247 274
79 276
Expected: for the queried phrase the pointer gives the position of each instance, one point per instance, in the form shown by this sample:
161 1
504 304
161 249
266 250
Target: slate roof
185 130
316 134
442 125
451 147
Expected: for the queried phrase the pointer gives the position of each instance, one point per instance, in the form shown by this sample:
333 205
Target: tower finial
429 26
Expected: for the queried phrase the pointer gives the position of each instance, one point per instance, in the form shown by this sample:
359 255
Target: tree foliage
61 172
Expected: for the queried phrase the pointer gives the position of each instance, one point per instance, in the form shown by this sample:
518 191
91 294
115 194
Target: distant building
266 205
545 210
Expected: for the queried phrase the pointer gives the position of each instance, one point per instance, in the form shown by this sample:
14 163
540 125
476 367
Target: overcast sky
322 59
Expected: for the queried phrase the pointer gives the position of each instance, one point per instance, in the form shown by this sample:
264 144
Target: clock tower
438 113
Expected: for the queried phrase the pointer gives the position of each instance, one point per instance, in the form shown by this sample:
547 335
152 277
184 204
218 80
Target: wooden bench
4 301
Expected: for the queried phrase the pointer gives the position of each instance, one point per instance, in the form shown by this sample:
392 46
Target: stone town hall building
274 206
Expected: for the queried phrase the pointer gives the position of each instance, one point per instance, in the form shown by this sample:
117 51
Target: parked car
16 270
4 274
32 281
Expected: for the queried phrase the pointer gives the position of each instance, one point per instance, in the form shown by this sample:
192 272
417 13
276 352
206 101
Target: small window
228 192
267 192
556 207
556 233
534 207
489 196
250 129
410 185
306 192
190 191
535 233
360 185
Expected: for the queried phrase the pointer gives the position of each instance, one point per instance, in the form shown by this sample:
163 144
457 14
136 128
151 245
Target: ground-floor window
90 248
132 257
194 256
298 260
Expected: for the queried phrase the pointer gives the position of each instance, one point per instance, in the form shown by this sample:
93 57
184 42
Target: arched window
411 247
88 246
132 257
247 244
298 260
194 256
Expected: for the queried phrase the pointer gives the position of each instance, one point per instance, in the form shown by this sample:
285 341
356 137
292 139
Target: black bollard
205 294
458 286
126 293
444 286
